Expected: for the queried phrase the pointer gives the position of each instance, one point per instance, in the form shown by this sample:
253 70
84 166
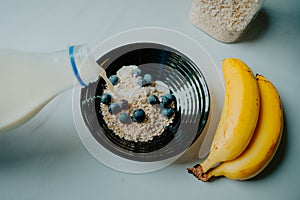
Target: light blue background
44 159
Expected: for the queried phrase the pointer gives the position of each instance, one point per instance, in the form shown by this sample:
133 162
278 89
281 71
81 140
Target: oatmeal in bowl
140 112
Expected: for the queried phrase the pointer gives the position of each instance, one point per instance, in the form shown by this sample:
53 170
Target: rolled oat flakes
224 20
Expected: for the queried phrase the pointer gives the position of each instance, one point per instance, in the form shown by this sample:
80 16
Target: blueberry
153 99
167 112
124 104
106 98
170 96
147 78
114 108
138 116
164 101
125 118
114 79
136 72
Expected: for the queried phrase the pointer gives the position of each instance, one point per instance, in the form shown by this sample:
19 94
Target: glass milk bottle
28 81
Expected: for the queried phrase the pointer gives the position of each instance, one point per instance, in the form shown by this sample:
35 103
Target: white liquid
104 76
28 81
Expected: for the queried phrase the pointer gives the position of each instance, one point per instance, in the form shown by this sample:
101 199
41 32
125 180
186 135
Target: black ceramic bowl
183 78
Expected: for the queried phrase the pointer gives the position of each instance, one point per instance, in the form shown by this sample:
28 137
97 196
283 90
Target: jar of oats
224 20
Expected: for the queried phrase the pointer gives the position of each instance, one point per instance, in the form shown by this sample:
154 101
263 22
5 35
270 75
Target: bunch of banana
250 127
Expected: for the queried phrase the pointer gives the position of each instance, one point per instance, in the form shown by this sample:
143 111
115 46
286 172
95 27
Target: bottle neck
66 68
85 68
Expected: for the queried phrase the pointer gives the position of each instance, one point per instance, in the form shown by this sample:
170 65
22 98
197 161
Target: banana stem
206 177
203 171
196 171
214 172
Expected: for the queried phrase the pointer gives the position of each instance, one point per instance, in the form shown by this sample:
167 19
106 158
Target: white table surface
44 158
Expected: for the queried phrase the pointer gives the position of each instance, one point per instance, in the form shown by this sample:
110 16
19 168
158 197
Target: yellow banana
264 143
239 116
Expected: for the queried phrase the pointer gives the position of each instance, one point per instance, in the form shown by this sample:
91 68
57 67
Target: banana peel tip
197 171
